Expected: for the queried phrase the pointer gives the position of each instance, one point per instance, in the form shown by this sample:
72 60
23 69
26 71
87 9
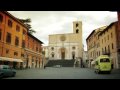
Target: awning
5 59
17 60
10 59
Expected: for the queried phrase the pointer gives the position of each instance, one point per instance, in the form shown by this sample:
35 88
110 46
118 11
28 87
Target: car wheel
109 72
2 75
99 72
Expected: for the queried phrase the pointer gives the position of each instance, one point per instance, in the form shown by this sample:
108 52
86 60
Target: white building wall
71 39
68 51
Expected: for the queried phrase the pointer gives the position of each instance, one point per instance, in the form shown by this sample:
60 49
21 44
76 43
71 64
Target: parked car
1 75
7 71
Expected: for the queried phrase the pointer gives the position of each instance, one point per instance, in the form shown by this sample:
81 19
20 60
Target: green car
103 64
7 71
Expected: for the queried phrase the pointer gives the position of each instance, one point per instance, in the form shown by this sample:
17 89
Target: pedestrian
44 67
83 65
112 65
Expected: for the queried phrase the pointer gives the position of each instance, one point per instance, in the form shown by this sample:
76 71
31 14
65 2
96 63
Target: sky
46 23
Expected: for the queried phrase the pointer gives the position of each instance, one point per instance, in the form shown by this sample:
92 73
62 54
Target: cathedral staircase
63 63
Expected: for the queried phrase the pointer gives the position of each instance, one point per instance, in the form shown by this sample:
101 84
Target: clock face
63 38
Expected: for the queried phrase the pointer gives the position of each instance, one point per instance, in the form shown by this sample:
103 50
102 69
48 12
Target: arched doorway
62 53
73 55
52 55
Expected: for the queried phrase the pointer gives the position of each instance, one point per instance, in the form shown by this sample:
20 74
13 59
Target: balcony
106 53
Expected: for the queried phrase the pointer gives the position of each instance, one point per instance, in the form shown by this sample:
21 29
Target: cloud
59 22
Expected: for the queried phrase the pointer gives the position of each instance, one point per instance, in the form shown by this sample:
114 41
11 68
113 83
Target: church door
73 55
62 53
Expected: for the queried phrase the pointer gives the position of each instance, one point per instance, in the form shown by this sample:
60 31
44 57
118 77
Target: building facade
93 44
118 36
46 51
106 43
85 59
13 41
33 52
66 46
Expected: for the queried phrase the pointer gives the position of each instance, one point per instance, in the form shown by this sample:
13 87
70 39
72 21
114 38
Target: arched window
17 28
77 31
52 48
52 55
8 38
77 25
73 47
16 41
10 23
1 18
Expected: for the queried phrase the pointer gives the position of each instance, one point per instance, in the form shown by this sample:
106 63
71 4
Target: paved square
63 73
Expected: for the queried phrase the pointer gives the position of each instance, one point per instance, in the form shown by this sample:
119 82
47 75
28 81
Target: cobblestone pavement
63 73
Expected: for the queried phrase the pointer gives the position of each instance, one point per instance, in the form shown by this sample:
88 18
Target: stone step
63 63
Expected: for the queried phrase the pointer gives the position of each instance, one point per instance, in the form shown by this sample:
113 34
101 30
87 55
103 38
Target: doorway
73 55
14 65
62 53
27 63
36 64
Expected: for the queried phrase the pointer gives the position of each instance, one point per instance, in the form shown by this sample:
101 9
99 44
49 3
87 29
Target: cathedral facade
66 46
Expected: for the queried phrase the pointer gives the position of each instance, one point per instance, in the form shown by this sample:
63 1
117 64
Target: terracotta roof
35 38
107 28
7 13
10 15
90 34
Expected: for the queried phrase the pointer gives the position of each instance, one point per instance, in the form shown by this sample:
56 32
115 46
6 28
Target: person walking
44 66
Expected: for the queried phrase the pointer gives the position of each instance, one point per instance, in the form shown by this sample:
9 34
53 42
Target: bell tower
77 30
77 27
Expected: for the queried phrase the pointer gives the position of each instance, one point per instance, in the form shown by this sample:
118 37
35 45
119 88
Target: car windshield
104 60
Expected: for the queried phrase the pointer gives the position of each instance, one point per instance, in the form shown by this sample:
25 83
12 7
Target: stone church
66 46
